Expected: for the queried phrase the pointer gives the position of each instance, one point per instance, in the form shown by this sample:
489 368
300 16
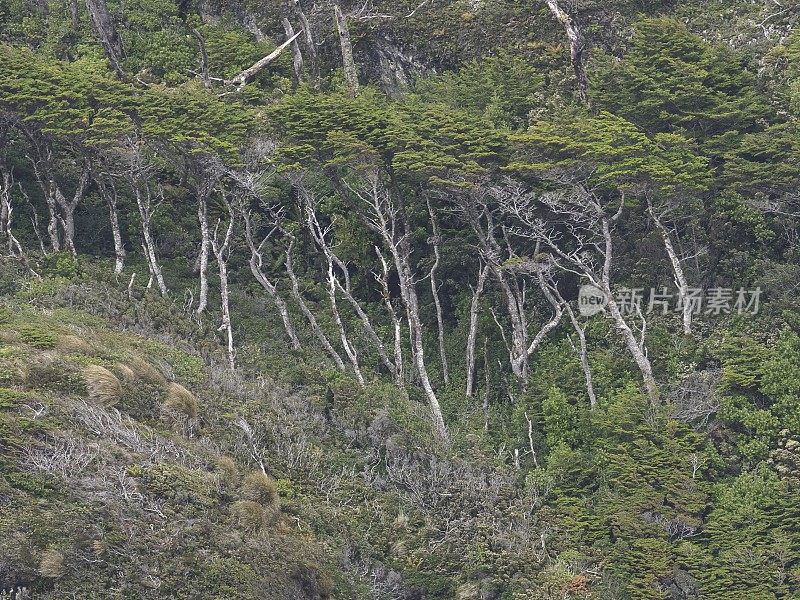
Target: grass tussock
249 515
102 385
124 372
260 488
51 564
181 401
146 371
72 344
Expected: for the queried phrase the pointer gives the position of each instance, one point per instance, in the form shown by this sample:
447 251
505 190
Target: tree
201 133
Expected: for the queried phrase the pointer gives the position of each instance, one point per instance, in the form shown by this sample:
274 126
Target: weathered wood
246 76
107 32
348 63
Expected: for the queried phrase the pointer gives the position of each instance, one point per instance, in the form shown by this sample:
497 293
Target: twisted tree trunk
256 268
348 64
107 32
576 47
113 216
435 291
473 328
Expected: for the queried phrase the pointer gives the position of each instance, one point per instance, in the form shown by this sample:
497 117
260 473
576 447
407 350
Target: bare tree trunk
68 207
677 269
205 246
249 74
576 48
590 228
401 253
518 356
473 327
144 202
434 241
311 45
634 347
323 339
110 196
346 344
558 312
297 55
397 324
52 223
221 249
34 219
385 215
583 352
256 268
48 186
348 64
319 236
584 357
107 32
73 13
201 44
6 219
419 356
487 381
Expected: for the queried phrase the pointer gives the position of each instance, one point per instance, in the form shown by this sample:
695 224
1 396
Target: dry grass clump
249 515
260 488
252 516
73 344
9 336
51 564
102 385
124 372
180 400
146 371
227 469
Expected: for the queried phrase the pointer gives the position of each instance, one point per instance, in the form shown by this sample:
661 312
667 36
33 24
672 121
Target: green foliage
38 337
671 80
514 87
560 419
611 152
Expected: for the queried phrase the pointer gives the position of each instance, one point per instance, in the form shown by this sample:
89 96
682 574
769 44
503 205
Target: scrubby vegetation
408 300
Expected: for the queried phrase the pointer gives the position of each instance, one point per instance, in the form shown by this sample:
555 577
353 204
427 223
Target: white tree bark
386 217
346 344
246 76
109 193
383 279
144 202
588 253
583 350
297 55
311 45
107 32
7 218
312 321
221 248
205 247
348 64
483 272
257 269
434 241
678 273
576 47
320 237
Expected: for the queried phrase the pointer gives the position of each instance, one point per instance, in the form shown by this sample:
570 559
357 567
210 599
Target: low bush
38 337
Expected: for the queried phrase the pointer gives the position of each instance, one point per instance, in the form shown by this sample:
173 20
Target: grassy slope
121 490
